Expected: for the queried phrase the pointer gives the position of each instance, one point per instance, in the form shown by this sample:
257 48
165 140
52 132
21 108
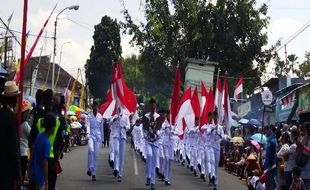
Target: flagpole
21 84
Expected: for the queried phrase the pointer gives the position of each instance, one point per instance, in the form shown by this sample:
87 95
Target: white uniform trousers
193 157
93 147
151 161
111 149
207 160
214 161
119 153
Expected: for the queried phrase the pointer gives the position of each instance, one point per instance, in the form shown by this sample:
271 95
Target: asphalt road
74 175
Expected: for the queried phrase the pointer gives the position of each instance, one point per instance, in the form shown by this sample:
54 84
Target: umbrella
234 124
258 137
256 144
243 121
237 140
76 125
75 109
254 122
70 113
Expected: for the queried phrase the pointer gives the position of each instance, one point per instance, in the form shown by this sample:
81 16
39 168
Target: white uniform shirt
193 136
216 134
120 125
206 135
95 126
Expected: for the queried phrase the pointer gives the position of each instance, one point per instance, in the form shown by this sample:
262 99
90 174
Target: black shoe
115 173
202 176
93 178
213 180
195 173
214 188
88 173
119 179
111 163
152 186
157 171
192 168
148 181
167 183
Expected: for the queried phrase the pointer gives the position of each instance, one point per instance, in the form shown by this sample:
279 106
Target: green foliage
230 32
304 67
106 48
282 68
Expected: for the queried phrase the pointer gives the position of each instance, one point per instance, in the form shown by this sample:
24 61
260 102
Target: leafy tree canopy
231 32
106 48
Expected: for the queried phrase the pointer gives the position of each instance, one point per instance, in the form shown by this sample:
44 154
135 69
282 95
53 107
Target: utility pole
5 51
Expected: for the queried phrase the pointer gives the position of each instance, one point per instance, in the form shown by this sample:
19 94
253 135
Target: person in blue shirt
270 164
40 155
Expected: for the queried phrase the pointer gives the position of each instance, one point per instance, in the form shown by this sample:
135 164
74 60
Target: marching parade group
155 139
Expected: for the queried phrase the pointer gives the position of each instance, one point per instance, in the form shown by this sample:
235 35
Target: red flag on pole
238 89
204 96
195 103
128 100
175 97
204 102
18 74
184 109
227 117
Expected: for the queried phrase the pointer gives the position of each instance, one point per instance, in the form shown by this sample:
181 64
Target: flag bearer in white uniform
208 141
216 134
168 138
192 140
95 133
150 127
120 125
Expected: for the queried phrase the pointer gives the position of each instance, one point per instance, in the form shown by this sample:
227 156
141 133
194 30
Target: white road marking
135 164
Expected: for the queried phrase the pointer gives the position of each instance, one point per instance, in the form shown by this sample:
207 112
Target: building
284 106
38 75
198 70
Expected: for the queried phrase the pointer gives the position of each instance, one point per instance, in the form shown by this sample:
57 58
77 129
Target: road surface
74 176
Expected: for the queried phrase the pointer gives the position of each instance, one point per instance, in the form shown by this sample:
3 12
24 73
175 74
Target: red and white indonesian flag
119 96
107 109
127 100
227 116
185 114
219 101
204 95
238 89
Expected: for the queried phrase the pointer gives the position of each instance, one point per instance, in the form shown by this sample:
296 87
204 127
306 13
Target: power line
33 35
303 28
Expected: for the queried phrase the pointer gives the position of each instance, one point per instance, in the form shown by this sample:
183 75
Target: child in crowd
298 183
40 155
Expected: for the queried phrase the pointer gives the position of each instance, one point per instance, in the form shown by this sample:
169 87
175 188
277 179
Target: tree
304 67
229 32
282 68
133 72
106 48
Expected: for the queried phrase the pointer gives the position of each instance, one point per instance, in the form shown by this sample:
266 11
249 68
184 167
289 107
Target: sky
286 17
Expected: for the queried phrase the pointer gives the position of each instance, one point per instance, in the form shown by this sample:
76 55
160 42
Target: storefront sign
244 109
304 100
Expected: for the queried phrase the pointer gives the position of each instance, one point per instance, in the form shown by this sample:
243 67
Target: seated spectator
252 165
